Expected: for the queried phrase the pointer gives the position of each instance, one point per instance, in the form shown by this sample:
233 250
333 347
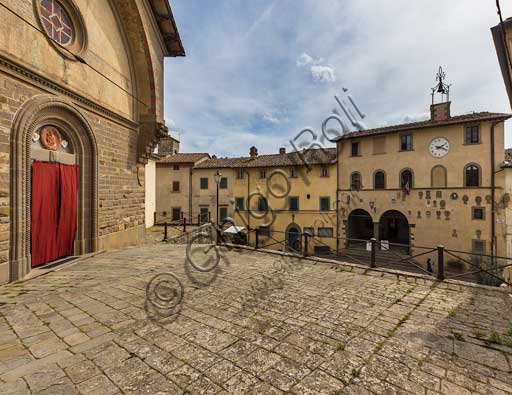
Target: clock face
439 147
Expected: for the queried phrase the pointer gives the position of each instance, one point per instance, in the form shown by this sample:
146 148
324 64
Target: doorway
293 238
394 227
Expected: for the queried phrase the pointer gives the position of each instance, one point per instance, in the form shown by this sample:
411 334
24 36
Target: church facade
81 110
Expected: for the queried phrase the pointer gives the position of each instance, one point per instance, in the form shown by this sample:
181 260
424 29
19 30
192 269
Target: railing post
154 218
440 263
373 252
184 224
165 239
305 252
257 230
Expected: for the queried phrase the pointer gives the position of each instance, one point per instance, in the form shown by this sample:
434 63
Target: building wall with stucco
277 188
436 215
107 88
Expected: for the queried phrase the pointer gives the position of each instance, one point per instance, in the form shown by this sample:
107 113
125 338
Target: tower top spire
441 87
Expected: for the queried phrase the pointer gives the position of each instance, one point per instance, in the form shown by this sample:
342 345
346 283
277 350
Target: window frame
260 200
294 172
411 184
237 200
311 229
432 176
201 185
410 146
174 190
220 211
221 185
324 171
263 174
239 174
477 208
356 173
290 204
175 167
478 129
479 181
201 213
374 179
355 144
328 198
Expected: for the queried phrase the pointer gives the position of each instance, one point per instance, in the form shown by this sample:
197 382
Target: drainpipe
493 195
337 199
190 219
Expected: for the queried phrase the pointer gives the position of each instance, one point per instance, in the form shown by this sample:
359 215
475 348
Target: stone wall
120 181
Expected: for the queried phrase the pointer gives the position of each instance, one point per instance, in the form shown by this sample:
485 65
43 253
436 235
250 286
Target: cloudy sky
258 72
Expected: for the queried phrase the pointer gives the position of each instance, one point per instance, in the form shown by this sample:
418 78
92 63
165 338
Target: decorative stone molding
149 135
34 78
36 112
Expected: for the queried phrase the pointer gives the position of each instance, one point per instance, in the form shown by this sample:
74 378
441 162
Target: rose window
56 22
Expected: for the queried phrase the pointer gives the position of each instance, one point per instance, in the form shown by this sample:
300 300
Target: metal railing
485 269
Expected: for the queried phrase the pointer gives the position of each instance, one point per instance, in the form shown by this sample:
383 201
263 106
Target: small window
223 183
310 231
355 181
472 176
356 149
176 167
478 213
379 180
472 135
406 180
176 213
325 232
264 231
262 204
263 173
204 183
294 203
294 173
223 213
406 142
324 171
325 203
204 214
239 203
239 174
175 186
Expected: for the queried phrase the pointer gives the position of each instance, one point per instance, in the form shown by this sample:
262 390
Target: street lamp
217 178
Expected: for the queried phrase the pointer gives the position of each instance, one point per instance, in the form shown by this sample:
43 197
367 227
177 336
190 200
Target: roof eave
167 25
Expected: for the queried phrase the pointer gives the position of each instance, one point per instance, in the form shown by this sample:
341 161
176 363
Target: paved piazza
302 328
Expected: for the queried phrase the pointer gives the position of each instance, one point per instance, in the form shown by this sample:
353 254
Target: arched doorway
37 113
360 227
394 227
293 238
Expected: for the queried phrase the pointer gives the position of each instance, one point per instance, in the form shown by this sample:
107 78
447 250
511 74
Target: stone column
376 230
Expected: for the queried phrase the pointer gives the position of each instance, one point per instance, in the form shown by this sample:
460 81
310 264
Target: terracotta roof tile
312 157
189 157
473 117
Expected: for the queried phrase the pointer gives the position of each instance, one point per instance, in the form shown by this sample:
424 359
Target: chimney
440 111
168 146
253 152
282 151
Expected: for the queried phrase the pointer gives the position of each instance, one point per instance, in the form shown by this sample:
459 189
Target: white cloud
323 73
271 118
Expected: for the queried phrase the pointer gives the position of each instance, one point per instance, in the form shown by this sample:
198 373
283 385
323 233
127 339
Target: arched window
438 177
355 181
406 180
472 175
56 22
379 180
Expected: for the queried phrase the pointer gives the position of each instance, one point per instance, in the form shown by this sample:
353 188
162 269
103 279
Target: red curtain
54 211
68 209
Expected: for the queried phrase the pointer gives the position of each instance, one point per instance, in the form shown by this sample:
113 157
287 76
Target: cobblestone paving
321 330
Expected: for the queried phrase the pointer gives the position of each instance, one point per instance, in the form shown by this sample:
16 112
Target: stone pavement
254 326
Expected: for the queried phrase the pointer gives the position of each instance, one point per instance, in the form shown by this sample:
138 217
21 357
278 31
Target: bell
440 89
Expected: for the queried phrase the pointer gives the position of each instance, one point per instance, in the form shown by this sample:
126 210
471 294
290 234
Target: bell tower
440 111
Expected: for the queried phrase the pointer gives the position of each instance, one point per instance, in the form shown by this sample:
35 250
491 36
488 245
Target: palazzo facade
81 110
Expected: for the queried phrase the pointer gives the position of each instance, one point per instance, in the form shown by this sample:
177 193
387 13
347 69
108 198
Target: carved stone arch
35 113
150 129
